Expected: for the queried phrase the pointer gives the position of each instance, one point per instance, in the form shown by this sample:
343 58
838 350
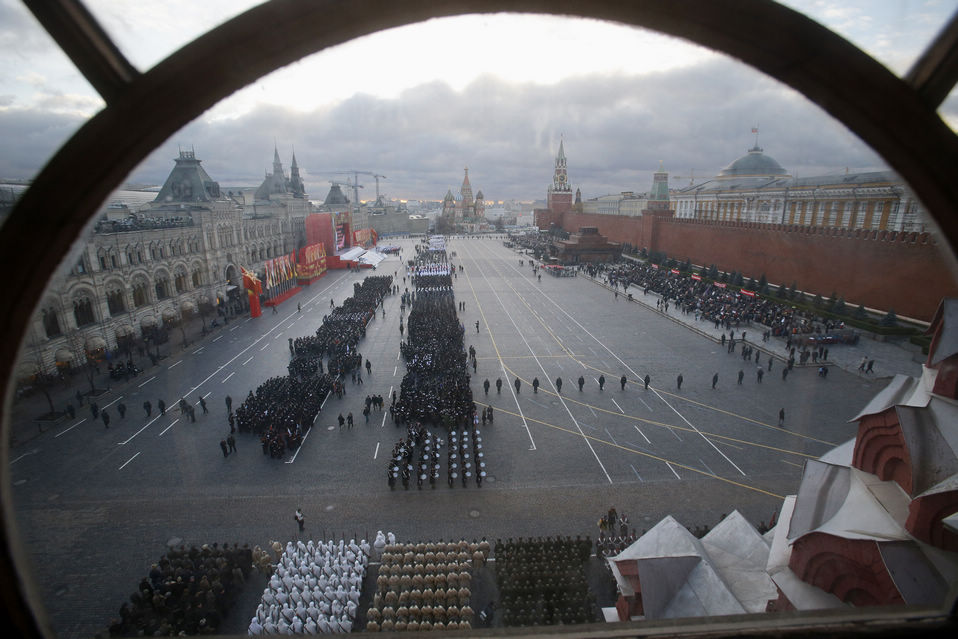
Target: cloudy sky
494 93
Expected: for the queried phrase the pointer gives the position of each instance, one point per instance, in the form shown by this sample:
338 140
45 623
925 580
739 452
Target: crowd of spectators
187 592
725 307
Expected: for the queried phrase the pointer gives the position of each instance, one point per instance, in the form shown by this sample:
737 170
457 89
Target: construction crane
690 177
356 175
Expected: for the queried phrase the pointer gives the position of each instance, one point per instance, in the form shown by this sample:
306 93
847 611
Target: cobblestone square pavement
96 506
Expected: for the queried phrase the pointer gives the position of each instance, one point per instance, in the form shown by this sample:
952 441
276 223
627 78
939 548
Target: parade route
95 506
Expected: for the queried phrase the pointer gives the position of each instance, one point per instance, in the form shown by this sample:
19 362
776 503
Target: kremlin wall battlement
879 269
891 267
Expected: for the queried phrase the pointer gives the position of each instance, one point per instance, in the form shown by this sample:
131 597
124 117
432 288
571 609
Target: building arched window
162 288
179 282
51 323
197 278
83 311
116 301
141 295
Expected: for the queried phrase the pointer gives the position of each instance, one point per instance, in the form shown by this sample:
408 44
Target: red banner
697 278
674 271
748 293
720 285
312 261
254 288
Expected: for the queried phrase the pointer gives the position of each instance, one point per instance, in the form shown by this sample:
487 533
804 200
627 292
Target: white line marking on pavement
130 438
67 430
636 472
217 338
198 350
176 364
249 360
248 319
646 405
227 377
324 400
643 436
235 327
113 402
32 452
706 465
610 436
710 442
147 382
673 470
263 347
128 461
617 406
375 454
168 427
594 414
395 368
278 335
207 395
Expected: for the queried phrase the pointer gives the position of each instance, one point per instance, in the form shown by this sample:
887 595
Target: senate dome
754 164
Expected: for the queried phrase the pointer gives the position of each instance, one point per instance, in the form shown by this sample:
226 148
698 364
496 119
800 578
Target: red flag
748 293
697 278
674 271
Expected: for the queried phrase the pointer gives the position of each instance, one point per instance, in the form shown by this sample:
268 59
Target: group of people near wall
724 306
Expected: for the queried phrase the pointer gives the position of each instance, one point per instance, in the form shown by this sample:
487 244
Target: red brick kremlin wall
880 269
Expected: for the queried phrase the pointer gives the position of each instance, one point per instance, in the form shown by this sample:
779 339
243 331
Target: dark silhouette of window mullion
87 45
935 73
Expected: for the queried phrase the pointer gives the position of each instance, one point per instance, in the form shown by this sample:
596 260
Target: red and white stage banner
655 266
719 284
674 271
697 278
748 293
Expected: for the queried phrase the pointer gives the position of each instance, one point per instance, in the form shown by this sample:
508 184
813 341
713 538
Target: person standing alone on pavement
300 519
781 417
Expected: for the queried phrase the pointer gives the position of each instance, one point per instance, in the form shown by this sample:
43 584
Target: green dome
754 164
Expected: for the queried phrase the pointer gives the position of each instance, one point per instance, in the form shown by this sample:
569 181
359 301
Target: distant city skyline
622 98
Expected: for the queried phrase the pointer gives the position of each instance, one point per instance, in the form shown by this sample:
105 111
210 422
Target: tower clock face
561 178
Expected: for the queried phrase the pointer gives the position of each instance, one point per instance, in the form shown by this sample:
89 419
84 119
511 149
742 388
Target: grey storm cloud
616 130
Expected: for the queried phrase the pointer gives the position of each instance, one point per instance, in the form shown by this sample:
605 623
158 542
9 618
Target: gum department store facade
139 273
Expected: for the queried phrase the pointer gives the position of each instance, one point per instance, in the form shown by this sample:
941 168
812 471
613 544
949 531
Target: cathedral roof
753 164
449 195
188 182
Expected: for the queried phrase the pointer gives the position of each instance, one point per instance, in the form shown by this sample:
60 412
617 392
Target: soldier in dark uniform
647 380
678 381
535 384
581 382
498 385
121 408
601 382
518 384
714 380
485 386
162 406
622 381
559 384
